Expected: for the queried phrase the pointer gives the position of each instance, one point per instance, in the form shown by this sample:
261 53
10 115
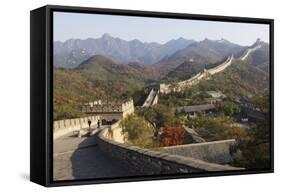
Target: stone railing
149 162
66 126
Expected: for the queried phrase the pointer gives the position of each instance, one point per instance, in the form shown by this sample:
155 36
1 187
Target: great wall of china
249 51
63 127
111 141
152 98
167 88
178 159
107 111
121 108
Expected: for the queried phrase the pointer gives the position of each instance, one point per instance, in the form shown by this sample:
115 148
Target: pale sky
147 29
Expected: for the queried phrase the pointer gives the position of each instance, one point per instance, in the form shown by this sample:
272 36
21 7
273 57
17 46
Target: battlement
127 105
107 107
65 126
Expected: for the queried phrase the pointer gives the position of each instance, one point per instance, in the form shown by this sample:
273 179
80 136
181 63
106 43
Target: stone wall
167 88
248 52
221 67
104 107
214 152
153 100
148 162
164 88
149 99
156 98
66 126
111 116
115 133
99 107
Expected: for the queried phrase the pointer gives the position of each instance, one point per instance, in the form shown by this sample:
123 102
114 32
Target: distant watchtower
110 110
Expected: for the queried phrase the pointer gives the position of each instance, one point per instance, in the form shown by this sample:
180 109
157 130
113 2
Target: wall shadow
89 162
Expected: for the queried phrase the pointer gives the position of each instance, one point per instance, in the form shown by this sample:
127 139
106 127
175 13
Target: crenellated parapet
128 108
65 126
128 105
107 107
109 111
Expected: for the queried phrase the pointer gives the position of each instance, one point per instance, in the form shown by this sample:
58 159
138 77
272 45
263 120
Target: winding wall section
166 88
150 162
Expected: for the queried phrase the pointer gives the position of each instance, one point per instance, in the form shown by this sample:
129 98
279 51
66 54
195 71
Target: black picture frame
41 79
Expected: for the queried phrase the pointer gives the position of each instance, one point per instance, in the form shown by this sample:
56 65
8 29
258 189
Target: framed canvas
125 95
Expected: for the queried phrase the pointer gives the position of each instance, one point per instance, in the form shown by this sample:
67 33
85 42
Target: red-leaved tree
172 136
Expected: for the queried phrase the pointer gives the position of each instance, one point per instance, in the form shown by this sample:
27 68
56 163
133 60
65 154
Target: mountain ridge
72 52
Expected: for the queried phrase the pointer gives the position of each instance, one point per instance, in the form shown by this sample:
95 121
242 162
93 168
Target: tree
158 116
172 136
230 108
262 102
137 131
256 147
219 127
67 111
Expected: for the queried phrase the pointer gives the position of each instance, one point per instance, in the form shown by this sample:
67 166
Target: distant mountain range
71 53
208 50
182 55
176 60
182 64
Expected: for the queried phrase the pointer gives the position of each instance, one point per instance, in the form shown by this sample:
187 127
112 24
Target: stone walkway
81 158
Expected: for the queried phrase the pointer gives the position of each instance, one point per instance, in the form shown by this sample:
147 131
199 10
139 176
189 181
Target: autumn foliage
172 136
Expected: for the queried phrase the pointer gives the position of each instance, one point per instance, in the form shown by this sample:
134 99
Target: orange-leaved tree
172 136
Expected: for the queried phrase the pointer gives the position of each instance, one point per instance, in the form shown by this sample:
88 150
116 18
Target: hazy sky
82 26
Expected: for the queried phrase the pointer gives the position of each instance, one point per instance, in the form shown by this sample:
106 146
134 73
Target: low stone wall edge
158 162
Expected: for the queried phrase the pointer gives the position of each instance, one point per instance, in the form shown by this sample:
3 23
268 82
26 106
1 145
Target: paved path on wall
81 158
